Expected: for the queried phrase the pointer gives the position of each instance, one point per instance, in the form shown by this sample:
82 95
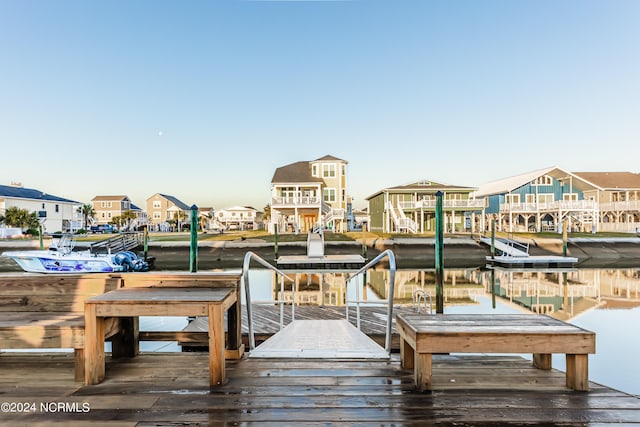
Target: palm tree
87 212
16 217
127 219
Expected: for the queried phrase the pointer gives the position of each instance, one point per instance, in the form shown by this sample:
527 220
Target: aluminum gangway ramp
320 339
505 248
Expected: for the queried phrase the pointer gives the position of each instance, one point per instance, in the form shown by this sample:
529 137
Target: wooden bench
179 279
422 336
47 311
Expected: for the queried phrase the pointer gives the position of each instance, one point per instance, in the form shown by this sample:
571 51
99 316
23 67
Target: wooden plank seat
422 336
209 294
47 311
181 279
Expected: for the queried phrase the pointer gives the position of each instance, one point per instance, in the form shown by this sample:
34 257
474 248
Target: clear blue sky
202 100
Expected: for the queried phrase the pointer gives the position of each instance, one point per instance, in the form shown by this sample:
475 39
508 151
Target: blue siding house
540 200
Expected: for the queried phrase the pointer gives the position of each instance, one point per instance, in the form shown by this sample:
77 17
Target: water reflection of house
312 288
460 286
565 295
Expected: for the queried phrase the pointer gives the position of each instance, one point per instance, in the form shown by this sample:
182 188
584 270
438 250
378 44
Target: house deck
169 389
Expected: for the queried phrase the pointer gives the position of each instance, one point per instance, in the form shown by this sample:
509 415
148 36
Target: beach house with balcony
540 200
618 198
110 208
237 218
306 194
410 208
54 213
165 212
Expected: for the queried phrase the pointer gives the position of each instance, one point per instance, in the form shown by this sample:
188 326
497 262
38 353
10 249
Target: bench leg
78 359
216 345
542 361
93 346
126 343
406 354
578 371
422 371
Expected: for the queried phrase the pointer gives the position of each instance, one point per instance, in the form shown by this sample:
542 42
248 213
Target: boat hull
52 262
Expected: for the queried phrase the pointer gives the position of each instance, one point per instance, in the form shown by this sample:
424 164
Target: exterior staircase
400 220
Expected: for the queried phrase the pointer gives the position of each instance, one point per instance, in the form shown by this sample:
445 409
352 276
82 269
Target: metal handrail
392 279
245 276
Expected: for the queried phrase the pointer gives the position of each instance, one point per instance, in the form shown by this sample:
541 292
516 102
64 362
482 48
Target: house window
57 208
156 204
545 197
329 171
343 170
329 195
531 198
288 192
103 204
543 180
513 198
157 215
110 204
314 170
569 196
43 206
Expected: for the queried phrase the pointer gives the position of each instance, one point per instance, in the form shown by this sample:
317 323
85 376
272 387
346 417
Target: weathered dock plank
169 389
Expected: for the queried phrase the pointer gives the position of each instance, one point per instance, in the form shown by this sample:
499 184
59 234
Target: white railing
548 206
451 204
400 220
296 201
632 205
392 283
247 293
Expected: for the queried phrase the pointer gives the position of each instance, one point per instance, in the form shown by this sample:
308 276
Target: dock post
493 238
145 241
193 253
439 255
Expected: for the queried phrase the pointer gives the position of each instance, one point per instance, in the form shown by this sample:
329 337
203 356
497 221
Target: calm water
604 301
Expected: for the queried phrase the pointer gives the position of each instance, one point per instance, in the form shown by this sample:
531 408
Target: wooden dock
172 389
267 323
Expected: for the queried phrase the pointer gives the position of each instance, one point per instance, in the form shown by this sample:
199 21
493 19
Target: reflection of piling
564 238
493 288
439 255
275 240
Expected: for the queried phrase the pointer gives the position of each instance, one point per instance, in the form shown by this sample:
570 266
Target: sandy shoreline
462 252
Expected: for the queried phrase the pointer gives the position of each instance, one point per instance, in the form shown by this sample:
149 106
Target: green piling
493 238
193 253
40 237
439 255
145 241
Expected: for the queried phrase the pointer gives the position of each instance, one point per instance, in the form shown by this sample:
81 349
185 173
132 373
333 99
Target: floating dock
325 263
520 262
